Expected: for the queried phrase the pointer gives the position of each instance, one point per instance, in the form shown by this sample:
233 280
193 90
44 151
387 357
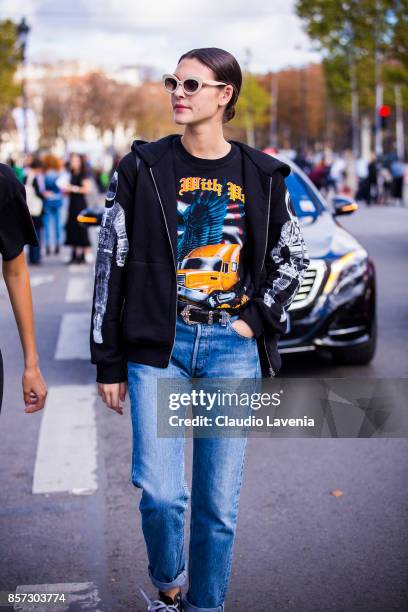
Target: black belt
192 314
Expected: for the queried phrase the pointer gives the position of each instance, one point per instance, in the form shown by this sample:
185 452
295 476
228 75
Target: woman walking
199 256
80 184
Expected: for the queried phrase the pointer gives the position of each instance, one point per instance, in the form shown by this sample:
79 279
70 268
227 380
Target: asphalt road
297 546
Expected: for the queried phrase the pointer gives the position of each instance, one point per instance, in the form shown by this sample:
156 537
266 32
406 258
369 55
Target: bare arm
17 280
85 188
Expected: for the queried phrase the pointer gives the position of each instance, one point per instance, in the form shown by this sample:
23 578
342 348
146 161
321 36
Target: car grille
181 279
310 286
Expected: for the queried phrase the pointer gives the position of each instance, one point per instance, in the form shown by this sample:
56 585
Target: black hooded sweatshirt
134 309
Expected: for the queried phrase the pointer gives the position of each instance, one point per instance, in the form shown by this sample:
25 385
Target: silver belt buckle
185 313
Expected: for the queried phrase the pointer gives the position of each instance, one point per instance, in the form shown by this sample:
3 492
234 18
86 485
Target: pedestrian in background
101 179
363 191
397 171
336 173
384 186
77 236
372 180
34 184
318 174
18 170
53 202
302 159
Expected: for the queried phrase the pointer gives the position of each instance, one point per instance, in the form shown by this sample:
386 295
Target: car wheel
358 355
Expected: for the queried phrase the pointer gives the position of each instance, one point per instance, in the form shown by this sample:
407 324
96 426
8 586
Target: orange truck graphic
207 270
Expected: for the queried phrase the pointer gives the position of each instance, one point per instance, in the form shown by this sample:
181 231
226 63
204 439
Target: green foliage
355 31
253 101
9 59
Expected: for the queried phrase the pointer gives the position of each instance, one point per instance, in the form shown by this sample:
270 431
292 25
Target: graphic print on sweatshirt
113 230
211 234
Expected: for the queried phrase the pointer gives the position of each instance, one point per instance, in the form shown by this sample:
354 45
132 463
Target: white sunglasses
190 84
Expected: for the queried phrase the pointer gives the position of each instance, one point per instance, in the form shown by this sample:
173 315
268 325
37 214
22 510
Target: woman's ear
227 93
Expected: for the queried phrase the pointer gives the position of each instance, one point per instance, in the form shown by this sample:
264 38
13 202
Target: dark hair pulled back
225 68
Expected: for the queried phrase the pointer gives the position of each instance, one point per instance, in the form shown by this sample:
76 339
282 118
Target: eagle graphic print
211 234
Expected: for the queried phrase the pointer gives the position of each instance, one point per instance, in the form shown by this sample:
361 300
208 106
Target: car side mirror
87 216
343 205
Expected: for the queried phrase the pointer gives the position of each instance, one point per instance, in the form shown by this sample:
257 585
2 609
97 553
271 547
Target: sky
114 33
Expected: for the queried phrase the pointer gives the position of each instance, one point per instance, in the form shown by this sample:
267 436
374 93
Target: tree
253 106
363 42
9 59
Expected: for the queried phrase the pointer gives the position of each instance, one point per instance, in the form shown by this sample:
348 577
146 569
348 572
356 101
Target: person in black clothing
76 233
372 180
200 254
397 171
16 230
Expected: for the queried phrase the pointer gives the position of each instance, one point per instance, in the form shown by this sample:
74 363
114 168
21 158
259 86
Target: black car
335 309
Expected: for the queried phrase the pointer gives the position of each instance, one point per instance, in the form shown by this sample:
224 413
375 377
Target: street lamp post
23 30
302 109
348 34
273 129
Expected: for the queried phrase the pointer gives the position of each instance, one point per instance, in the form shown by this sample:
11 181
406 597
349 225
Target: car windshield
201 263
305 202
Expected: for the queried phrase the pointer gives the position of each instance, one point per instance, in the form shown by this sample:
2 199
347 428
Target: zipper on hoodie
174 260
271 370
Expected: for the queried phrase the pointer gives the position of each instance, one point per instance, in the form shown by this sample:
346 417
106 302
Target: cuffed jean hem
188 607
165 586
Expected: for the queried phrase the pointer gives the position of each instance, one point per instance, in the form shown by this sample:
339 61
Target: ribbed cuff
112 373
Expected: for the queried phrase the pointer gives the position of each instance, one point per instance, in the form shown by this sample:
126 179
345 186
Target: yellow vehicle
208 269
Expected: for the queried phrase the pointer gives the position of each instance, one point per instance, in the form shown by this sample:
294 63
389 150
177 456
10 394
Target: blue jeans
52 214
200 350
35 251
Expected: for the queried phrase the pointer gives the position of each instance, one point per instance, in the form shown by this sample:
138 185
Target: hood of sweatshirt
151 152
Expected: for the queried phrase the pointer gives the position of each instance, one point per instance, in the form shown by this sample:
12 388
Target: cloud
117 32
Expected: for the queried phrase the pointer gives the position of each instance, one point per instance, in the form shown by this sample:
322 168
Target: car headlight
346 270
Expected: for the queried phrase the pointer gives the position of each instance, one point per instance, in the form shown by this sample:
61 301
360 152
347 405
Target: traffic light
384 112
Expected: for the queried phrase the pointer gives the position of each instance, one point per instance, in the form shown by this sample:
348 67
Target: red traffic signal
384 110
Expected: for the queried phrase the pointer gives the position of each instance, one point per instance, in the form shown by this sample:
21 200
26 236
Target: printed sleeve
16 225
110 269
286 262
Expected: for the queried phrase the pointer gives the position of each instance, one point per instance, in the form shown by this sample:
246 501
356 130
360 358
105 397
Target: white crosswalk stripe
66 459
73 338
37 280
78 269
79 289
78 596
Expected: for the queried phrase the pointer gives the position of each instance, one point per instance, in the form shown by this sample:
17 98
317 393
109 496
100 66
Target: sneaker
164 603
